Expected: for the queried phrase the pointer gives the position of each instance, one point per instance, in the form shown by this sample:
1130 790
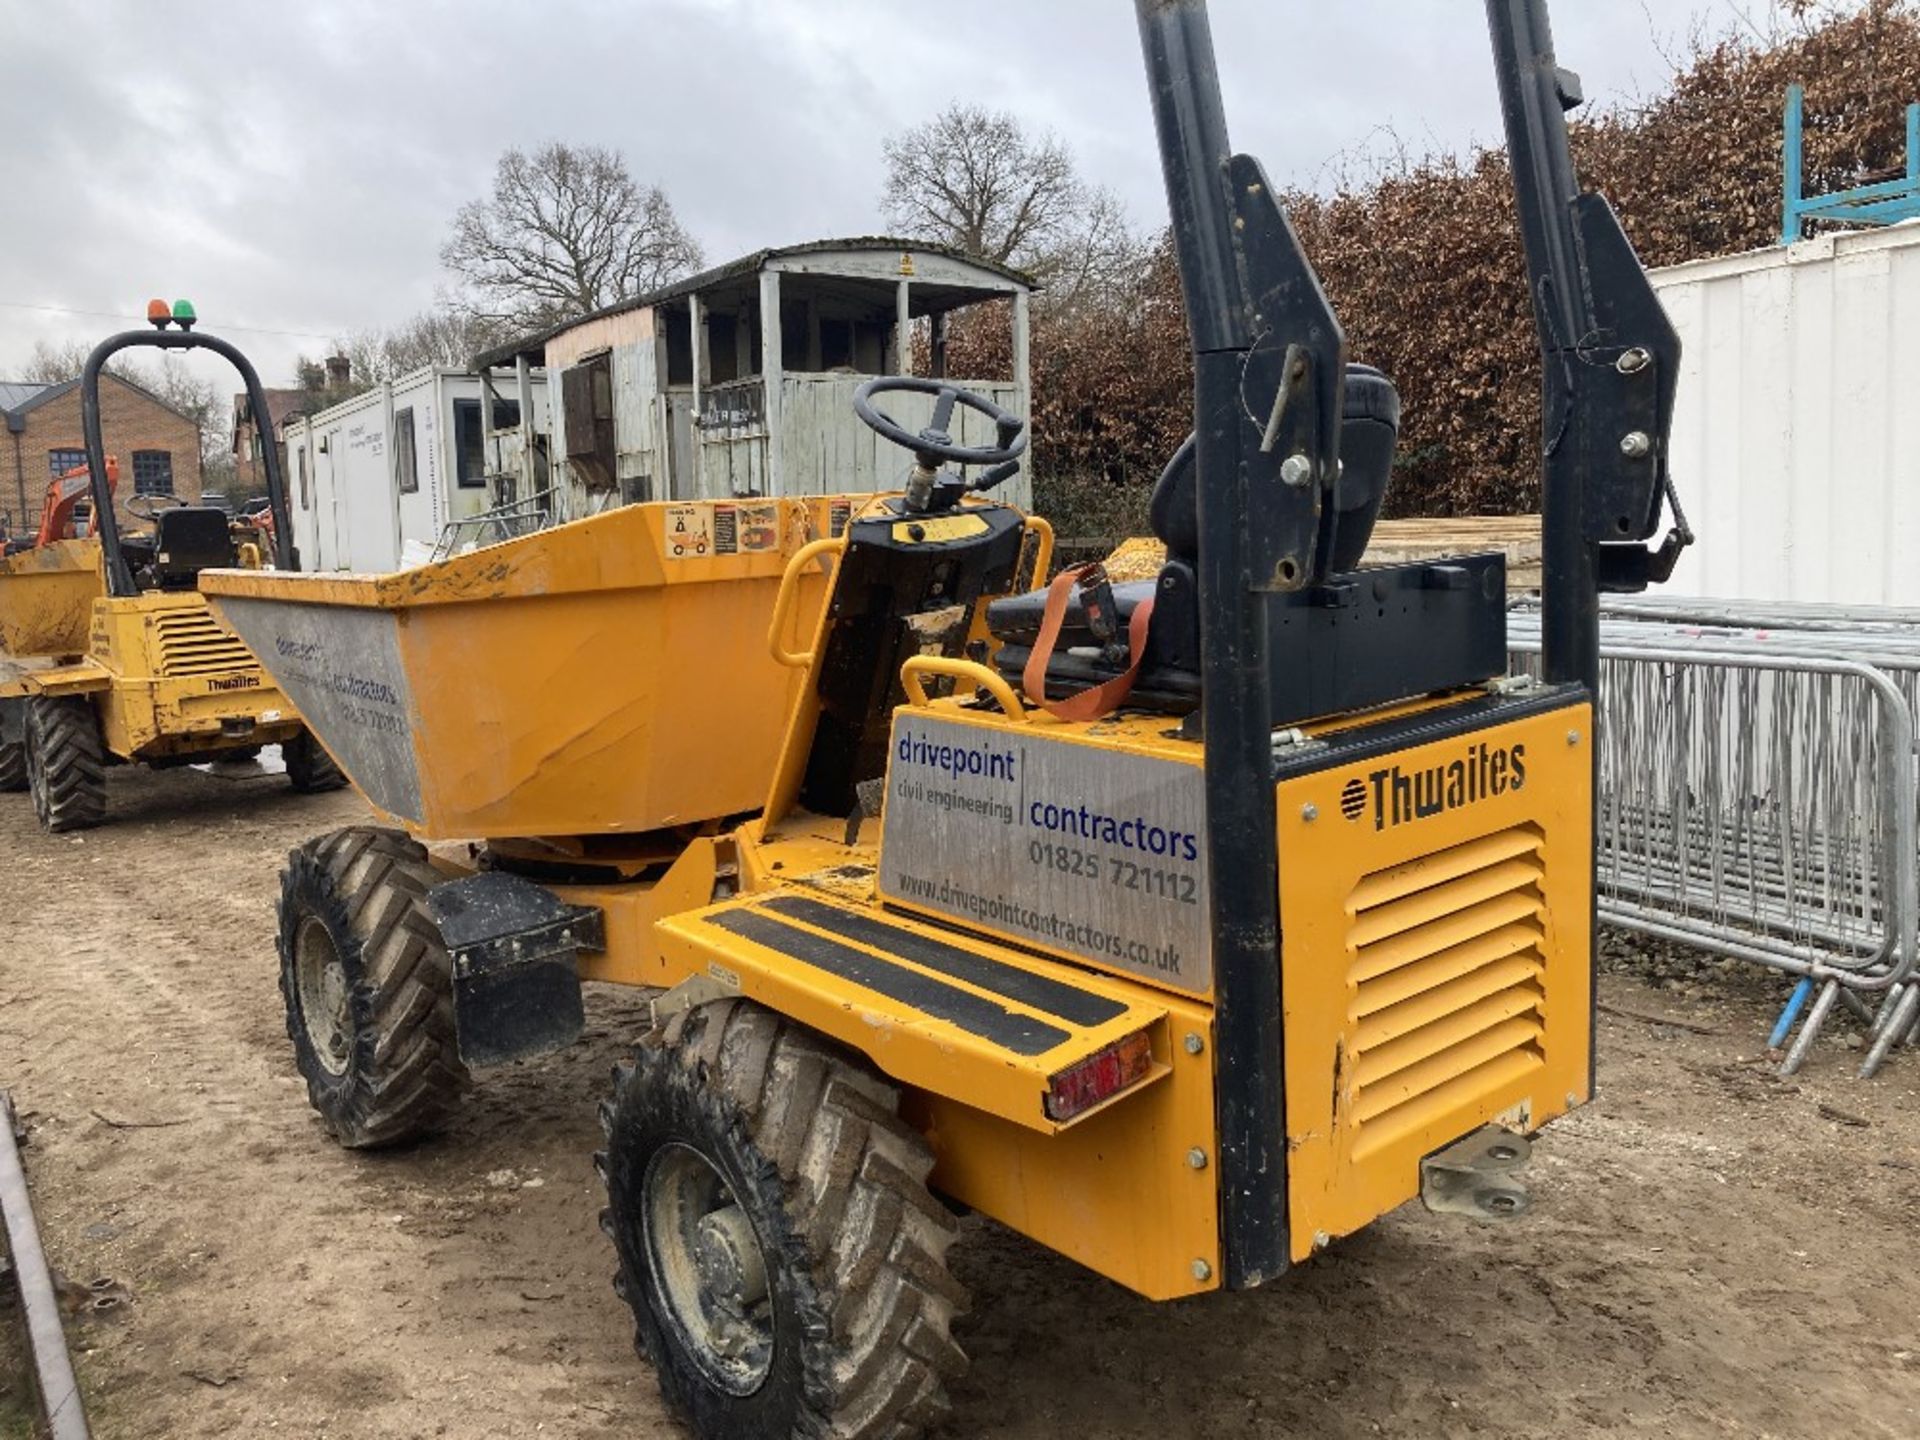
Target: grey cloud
292 168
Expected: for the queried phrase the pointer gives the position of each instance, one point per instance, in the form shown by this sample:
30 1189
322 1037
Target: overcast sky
292 168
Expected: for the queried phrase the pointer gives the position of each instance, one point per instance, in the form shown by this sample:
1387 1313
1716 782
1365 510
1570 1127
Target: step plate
941 1010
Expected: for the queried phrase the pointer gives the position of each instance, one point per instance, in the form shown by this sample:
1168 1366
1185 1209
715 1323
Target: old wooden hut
739 381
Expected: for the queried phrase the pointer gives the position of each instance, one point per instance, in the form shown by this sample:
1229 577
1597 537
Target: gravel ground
1711 1251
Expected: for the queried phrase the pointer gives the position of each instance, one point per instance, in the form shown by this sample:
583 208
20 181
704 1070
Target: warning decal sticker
689 531
746 529
759 527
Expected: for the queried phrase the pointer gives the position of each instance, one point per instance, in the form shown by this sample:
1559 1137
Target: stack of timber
1396 541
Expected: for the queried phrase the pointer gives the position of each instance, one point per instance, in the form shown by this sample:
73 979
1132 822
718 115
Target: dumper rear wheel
310 769
783 1258
66 764
13 766
368 987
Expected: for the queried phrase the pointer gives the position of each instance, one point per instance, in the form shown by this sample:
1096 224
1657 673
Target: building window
470 446
306 485
153 472
406 454
59 462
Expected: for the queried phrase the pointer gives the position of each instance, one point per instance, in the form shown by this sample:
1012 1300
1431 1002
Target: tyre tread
64 746
406 1077
853 1177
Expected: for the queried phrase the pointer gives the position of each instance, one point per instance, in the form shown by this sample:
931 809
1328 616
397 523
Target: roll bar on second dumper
1268 361
119 574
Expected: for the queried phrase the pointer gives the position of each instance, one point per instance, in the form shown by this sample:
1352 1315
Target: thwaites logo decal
1398 795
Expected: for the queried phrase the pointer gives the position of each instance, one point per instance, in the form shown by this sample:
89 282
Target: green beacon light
183 314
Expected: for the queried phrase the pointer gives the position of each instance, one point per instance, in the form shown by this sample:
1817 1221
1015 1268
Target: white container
374 479
1795 449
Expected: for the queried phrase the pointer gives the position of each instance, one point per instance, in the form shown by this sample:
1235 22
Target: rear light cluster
1103 1074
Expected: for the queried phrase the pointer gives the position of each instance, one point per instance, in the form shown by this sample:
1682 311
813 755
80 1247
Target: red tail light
1103 1074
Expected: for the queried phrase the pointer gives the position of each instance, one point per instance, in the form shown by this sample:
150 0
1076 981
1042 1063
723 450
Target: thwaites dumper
1184 927
109 654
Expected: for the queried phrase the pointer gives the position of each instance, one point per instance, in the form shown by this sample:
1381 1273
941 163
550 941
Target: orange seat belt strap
1096 700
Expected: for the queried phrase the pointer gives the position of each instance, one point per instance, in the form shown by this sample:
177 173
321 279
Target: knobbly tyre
108 653
1004 929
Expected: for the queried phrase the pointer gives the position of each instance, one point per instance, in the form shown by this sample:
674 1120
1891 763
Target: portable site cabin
739 381
376 479
1797 459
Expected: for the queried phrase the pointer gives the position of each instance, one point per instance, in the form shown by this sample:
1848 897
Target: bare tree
1100 256
975 179
51 364
444 335
173 381
566 230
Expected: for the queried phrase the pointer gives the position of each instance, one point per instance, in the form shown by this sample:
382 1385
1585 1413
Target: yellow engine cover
1435 916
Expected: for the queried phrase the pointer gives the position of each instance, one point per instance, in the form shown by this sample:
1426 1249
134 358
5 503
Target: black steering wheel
141 506
935 443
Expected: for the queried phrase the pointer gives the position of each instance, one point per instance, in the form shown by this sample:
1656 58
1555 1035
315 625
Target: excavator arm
65 492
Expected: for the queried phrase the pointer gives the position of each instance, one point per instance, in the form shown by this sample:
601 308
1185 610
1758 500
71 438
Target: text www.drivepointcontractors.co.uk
1011 914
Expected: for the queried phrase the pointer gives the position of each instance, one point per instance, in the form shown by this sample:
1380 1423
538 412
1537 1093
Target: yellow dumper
109 655
1184 926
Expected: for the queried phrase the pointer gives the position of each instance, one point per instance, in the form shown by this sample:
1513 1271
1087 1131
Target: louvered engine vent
1448 975
192 643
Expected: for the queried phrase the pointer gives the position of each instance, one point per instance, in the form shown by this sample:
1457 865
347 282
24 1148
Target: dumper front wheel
66 764
783 1258
310 769
368 987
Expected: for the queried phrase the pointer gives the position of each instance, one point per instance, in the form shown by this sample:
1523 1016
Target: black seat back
1370 426
188 540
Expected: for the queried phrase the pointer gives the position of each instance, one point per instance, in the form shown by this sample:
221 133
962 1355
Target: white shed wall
1797 461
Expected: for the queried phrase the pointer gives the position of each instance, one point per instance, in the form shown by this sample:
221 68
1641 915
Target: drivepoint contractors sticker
1084 851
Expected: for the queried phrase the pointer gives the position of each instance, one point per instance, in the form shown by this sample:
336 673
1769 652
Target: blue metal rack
1886 203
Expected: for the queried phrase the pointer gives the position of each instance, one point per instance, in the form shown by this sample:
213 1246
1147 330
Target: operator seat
1169 679
187 540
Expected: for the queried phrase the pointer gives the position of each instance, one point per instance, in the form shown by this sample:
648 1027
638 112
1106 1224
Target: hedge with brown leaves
1425 270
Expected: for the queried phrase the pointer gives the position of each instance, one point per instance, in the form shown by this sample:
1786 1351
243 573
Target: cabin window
306 486
406 454
679 330
836 344
731 335
506 414
722 348
469 446
870 347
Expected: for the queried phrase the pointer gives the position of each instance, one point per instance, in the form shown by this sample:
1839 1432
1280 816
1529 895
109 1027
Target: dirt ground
1711 1251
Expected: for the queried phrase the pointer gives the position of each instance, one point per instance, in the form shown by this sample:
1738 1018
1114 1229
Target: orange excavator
66 493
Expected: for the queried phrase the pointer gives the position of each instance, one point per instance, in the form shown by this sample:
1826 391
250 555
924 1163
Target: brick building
157 446
283 408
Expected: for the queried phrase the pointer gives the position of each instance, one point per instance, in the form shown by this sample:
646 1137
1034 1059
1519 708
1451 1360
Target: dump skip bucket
46 598
611 675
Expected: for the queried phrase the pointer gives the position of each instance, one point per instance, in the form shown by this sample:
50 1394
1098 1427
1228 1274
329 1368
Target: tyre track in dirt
262 1258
